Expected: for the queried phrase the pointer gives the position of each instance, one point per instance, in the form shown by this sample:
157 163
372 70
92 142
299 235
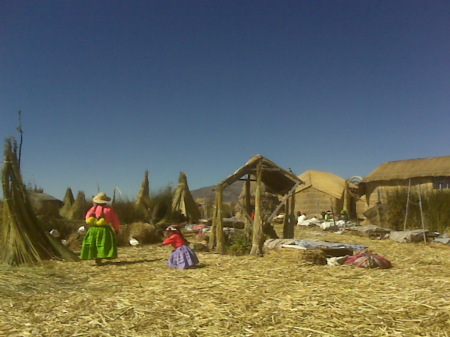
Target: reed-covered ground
274 295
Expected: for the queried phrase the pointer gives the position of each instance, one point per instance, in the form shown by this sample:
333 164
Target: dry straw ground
276 295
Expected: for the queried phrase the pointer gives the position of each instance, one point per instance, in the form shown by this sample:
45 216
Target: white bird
81 230
134 242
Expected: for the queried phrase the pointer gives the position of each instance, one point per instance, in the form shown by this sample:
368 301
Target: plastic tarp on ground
445 241
417 235
309 244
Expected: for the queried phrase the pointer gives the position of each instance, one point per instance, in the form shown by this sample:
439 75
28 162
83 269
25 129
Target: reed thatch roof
411 168
325 182
43 197
274 177
44 203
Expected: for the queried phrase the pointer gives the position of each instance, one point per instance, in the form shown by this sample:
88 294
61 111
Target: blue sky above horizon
109 89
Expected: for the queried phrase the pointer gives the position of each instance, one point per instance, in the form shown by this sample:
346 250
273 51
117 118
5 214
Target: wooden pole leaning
257 239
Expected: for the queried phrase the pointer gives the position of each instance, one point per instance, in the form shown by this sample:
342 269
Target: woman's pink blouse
109 213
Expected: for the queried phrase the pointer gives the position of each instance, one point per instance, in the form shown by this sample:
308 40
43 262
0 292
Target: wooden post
219 221
407 205
258 236
212 237
421 215
286 219
379 207
248 218
248 205
292 221
347 198
216 240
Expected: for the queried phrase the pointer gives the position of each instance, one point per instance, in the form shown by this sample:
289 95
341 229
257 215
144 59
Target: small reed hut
275 178
426 174
321 191
45 204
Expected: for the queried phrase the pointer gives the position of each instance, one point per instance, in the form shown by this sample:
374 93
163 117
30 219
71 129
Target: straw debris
275 295
312 257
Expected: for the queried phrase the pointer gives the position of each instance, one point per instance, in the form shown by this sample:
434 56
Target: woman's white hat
101 198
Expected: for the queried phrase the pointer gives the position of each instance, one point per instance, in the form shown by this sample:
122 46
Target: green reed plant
239 244
435 207
437 216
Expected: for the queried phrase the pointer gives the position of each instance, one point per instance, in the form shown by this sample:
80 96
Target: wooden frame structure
278 180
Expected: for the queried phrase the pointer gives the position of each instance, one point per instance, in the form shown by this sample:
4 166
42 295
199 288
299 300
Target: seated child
182 257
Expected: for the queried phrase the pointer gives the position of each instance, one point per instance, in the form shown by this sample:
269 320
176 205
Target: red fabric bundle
367 259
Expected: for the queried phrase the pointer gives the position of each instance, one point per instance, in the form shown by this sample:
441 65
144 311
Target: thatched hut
277 180
429 173
425 174
321 191
45 204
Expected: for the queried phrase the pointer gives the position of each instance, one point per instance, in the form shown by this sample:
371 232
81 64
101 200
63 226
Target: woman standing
100 241
182 257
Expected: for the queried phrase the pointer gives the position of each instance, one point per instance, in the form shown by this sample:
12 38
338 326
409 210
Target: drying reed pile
274 295
24 238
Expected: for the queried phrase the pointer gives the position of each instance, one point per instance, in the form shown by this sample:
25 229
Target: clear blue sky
109 89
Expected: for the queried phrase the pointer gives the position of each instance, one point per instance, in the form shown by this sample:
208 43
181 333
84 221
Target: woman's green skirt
99 243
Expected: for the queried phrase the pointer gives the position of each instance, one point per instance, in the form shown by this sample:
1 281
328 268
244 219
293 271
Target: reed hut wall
380 189
360 207
321 192
313 202
378 192
429 173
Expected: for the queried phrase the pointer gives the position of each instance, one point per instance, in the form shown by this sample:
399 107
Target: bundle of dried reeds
24 239
312 257
183 201
79 207
143 201
68 203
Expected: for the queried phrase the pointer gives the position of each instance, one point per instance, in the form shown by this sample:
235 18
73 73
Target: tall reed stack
24 238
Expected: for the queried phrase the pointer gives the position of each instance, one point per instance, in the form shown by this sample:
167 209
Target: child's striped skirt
182 258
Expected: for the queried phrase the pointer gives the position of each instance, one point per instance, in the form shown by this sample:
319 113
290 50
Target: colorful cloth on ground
99 243
367 259
176 240
107 212
182 258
